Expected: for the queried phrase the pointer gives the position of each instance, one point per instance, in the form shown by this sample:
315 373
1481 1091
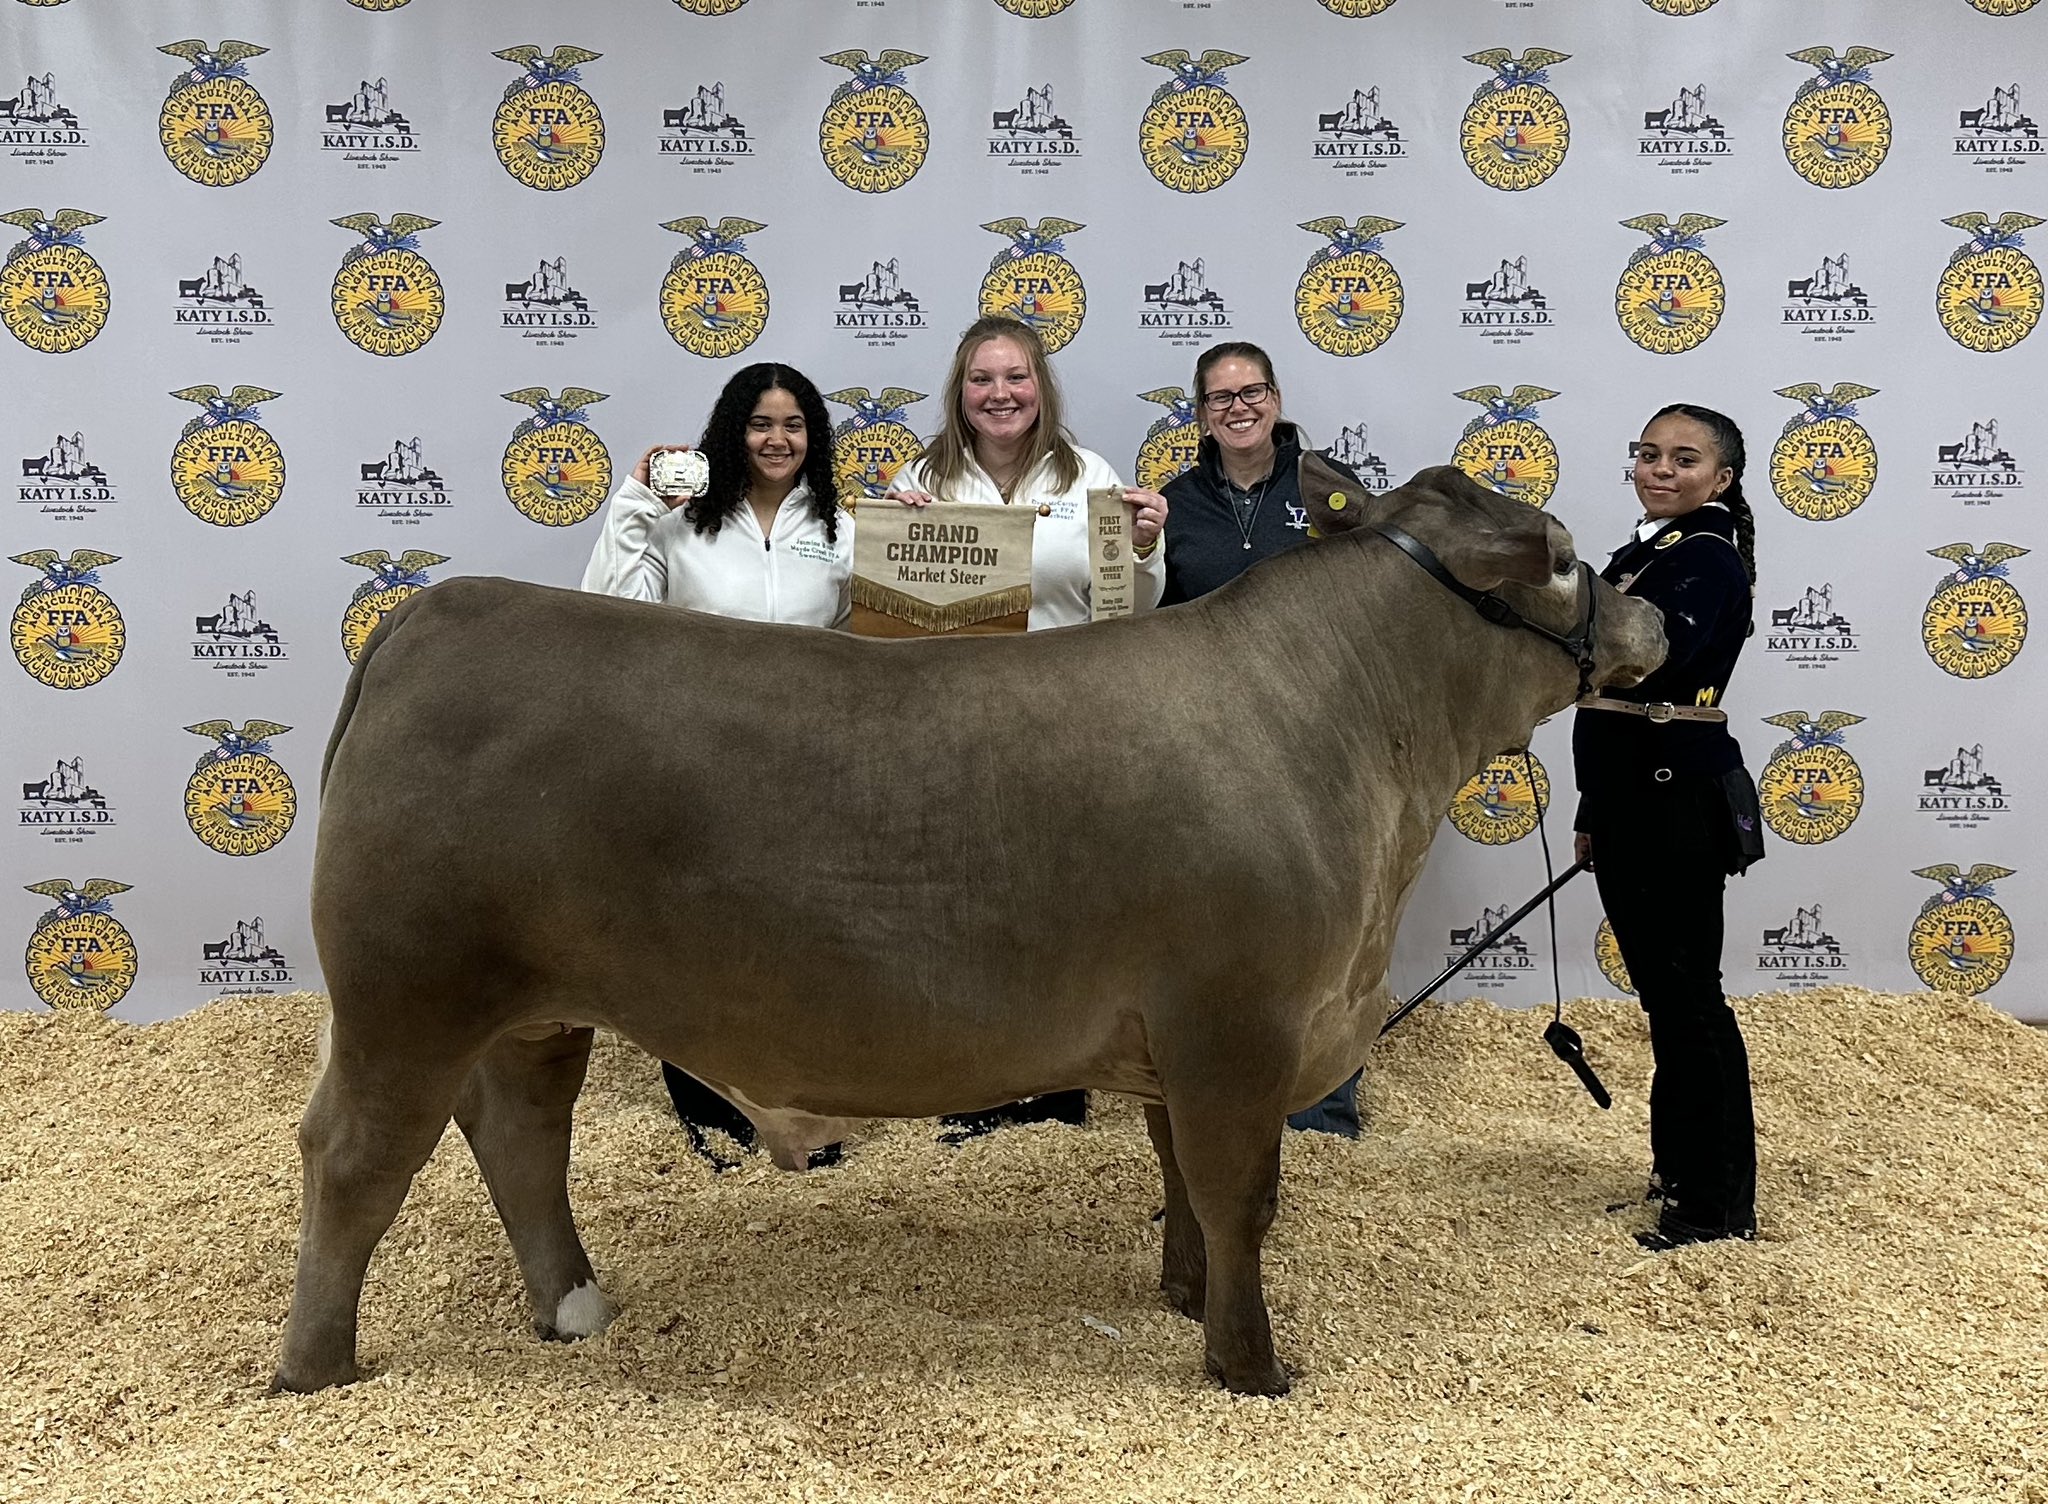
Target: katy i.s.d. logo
53 296
1989 297
1607 950
226 467
80 957
714 301
1811 789
873 135
1515 133
242 960
1975 623
1814 631
1193 135
1824 465
215 128
1670 296
1173 443
235 638
386 296
1961 941
1837 128
1349 298
1503 801
391 581
62 483
872 445
67 632
556 471
1504 448
239 800
1962 793
1032 281
80 810
1977 468
1352 448
548 131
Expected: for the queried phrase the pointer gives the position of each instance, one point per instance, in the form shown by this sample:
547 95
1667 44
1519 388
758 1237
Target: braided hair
1728 445
724 446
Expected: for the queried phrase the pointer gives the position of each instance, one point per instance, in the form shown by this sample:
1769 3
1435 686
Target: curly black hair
1728 443
724 446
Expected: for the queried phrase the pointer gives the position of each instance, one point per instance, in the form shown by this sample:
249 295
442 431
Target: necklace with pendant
1247 518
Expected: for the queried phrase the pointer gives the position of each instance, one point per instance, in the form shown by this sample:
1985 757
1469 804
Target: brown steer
1163 855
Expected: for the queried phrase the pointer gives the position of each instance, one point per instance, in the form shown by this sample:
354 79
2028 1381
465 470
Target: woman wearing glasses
1242 503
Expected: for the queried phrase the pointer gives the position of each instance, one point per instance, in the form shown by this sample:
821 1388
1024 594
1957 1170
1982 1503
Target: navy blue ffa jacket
1689 570
1206 544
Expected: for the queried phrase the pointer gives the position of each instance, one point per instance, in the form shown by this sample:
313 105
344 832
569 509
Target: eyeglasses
1253 395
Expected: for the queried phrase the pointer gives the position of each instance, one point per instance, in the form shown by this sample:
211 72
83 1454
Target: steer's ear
1498 541
1336 499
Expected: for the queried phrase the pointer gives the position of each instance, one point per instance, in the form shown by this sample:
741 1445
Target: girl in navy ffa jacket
1667 812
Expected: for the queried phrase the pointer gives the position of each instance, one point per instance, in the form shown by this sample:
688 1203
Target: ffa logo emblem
387 299
1962 941
239 801
391 582
2002 7
378 4
1193 135
1356 9
714 301
1502 802
1348 301
1989 299
1837 129
1034 10
1607 949
1172 444
215 128
872 445
547 130
1032 281
1676 8
1812 789
53 295
66 632
1824 465
556 470
710 7
81 957
1515 133
225 467
874 134
1503 449
1670 295
1975 623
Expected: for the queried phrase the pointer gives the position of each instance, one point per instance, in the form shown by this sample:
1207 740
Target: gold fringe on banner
948 618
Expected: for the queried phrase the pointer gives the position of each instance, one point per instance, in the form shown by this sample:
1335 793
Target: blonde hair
951 449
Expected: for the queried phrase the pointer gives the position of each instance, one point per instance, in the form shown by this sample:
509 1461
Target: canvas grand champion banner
947 567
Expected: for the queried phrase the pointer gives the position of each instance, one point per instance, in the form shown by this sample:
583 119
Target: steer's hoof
310 1381
1268 1379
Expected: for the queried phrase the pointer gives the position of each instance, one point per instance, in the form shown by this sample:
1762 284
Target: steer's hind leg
1183 1261
515 1110
372 1121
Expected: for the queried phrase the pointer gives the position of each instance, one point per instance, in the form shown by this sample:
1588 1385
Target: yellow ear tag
1668 539
1337 502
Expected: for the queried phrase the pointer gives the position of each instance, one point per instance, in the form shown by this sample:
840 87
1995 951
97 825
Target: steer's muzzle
1628 641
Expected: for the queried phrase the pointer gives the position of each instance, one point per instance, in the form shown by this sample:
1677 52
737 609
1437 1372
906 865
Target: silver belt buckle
1659 711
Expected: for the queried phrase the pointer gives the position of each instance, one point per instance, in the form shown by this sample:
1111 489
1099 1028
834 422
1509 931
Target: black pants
1661 864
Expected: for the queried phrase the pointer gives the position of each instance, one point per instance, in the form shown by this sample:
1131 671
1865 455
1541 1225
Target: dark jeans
1337 1113
1661 866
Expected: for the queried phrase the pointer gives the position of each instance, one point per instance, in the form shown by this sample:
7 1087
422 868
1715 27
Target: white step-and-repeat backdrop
311 305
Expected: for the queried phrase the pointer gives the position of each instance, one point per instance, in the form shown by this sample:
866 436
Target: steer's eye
1567 565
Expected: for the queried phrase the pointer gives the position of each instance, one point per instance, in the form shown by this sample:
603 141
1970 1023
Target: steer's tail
378 635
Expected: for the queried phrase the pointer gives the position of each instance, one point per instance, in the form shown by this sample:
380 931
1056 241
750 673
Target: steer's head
1493 543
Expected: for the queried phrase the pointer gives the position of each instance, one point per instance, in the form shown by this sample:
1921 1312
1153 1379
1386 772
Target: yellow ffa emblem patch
1975 623
1824 465
1194 136
556 471
81 958
53 296
1607 950
1989 298
1667 540
2002 7
1811 789
1837 129
871 446
225 467
1034 10
1962 941
67 633
548 131
239 800
1173 442
714 301
874 135
392 581
1031 280
1515 133
1670 296
1503 801
387 299
214 127
1356 9
1504 450
1349 299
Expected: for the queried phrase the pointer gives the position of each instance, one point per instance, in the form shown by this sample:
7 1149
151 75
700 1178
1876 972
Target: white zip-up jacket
648 551
1060 576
